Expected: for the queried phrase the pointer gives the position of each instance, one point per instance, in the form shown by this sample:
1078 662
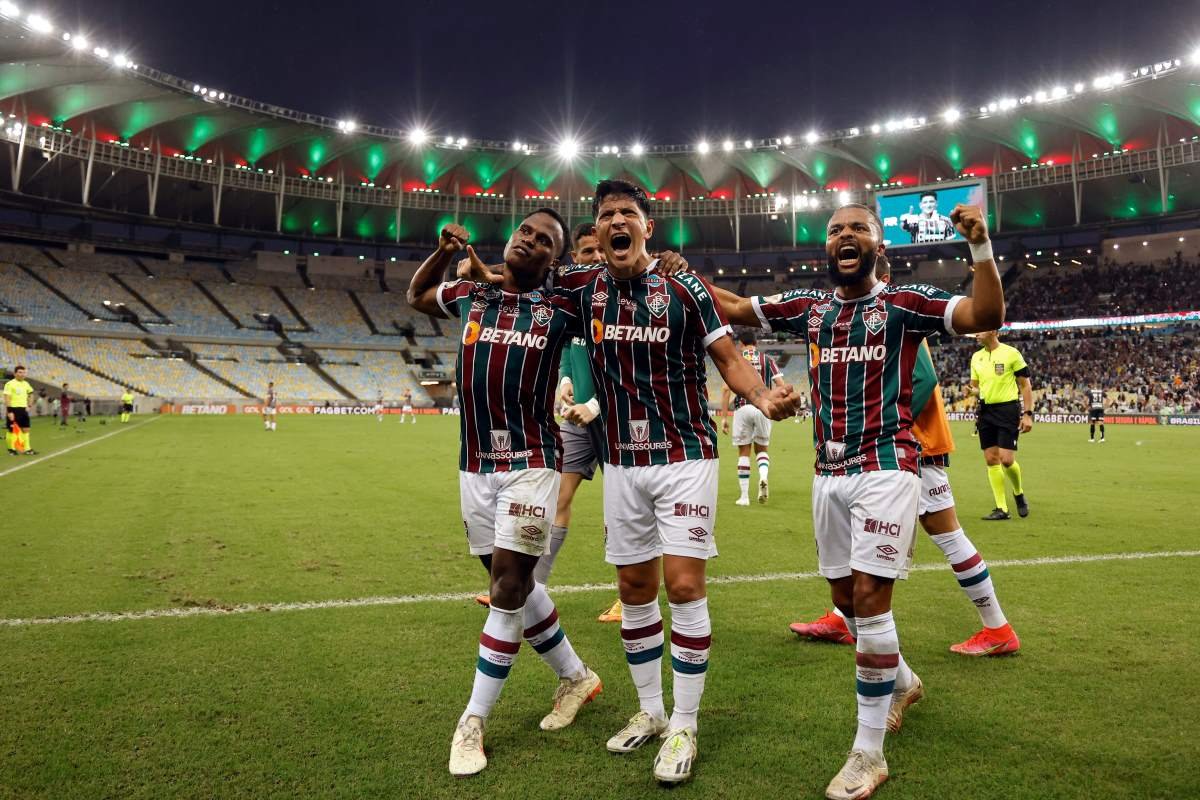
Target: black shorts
998 425
127 408
1095 415
20 417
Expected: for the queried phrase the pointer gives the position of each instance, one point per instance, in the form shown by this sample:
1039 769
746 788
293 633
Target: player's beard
866 264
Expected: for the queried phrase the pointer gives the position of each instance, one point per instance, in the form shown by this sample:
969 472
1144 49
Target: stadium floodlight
1078 87
1058 93
876 128
567 148
38 23
951 115
1195 59
787 141
417 136
811 137
121 60
853 132
79 43
101 52
516 146
9 9
843 197
1041 95
461 142
702 148
637 149
448 140
727 146
749 145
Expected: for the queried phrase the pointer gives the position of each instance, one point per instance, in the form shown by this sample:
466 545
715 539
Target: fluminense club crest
542 314
875 319
501 440
658 304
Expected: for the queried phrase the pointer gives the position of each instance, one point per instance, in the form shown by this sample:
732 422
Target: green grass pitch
360 702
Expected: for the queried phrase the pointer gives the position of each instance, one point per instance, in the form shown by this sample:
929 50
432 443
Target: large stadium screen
921 216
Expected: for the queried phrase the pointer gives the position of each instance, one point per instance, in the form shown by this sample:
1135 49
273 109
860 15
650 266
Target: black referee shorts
1095 415
999 424
20 417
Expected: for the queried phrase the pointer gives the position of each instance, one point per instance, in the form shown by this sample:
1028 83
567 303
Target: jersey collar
875 290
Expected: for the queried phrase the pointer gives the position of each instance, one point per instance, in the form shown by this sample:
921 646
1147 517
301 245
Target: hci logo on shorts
501 440
692 510
881 528
834 451
526 510
639 429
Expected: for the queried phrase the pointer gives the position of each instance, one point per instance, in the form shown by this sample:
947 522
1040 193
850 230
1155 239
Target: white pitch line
64 451
411 599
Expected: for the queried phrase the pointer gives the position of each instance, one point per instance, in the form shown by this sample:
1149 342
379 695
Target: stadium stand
253 367
1107 290
45 367
367 372
139 365
331 313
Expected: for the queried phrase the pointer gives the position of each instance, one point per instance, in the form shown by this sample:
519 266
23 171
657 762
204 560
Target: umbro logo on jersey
885 552
814 321
599 298
501 440
526 510
881 528
542 315
639 429
478 305
697 534
834 451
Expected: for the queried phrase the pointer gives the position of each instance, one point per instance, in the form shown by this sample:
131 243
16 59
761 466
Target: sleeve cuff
758 312
441 303
594 406
565 379
724 330
948 317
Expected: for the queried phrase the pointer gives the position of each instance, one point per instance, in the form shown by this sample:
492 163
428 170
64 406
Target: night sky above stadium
662 73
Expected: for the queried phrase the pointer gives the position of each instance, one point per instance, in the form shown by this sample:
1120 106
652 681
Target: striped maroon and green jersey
507 373
861 355
764 365
648 337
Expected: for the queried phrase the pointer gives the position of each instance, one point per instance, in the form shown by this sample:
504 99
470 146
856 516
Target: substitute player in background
929 225
509 459
863 339
751 428
1000 374
1095 401
126 406
64 406
270 407
379 408
931 427
406 407
648 337
16 405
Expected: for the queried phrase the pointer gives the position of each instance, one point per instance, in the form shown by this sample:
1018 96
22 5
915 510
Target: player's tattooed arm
778 403
739 310
423 288
984 309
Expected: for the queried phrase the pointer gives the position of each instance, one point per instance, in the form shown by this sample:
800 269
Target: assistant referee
16 404
1000 373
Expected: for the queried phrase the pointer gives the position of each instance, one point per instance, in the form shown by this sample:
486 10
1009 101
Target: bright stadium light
637 149
417 136
461 142
702 147
516 146
811 137
843 198
749 145
1058 92
876 128
727 146
448 140
787 141
1078 87
101 52
951 115
79 43
568 148
122 61
39 24
9 9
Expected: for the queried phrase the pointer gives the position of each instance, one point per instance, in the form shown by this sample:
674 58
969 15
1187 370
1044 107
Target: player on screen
929 225
863 339
1095 401
270 407
751 428
509 459
406 406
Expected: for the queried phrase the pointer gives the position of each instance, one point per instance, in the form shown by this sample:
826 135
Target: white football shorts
936 494
509 510
865 522
663 509
751 426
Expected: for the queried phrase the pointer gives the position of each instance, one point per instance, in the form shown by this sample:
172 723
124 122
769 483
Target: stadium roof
1034 147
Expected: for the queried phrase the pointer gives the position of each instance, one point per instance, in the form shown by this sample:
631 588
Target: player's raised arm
738 309
984 309
423 288
741 377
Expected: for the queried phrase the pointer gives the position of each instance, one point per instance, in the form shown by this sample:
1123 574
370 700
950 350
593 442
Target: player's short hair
618 188
930 193
870 211
581 230
18 367
562 226
748 336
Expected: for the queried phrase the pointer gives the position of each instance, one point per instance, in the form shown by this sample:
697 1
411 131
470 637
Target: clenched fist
970 223
453 238
779 403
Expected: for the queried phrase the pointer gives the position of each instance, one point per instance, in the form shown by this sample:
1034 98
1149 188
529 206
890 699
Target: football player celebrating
863 338
509 459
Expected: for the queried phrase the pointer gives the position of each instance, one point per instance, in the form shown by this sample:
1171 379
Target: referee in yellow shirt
1000 374
16 403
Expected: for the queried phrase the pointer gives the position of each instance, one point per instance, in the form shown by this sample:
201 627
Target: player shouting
863 338
512 336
